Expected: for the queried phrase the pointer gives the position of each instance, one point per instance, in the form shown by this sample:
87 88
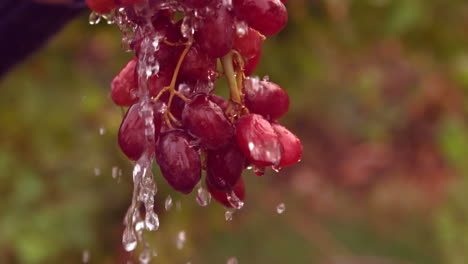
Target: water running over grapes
174 117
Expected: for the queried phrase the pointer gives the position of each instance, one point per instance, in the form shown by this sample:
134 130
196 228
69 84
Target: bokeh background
379 99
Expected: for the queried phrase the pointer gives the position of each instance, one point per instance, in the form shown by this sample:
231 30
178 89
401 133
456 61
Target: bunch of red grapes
182 47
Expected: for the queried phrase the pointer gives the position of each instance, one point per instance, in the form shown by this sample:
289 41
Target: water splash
280 208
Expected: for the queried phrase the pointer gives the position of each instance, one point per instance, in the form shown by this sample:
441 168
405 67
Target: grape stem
230 74
171 88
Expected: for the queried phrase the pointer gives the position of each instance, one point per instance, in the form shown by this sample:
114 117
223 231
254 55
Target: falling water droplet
234 201
259 171
277 168
116 173
228 215
102 131
178 206
151 221
154 252
280 208
94 18
97 171
232 260
168 203
180 240
145 256
129 240
85 258
203 197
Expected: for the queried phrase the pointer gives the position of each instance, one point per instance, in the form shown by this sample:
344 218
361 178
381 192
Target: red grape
267 16
131 135
258 141
197 65
178 160
195 3
101 6
207 121
124 86
248 45
261 95
222 197
291 146
215 35
224 167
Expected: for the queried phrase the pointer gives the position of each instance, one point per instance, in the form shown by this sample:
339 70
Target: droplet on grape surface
258 141
94 18
235 201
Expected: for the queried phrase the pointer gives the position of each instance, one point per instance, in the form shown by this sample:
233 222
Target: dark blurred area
378 97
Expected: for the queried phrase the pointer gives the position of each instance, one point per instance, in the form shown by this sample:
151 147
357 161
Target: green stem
231 78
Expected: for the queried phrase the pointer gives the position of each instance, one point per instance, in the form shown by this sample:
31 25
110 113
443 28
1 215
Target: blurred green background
379 99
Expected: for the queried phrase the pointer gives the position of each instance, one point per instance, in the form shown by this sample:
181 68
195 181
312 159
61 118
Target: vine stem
230 74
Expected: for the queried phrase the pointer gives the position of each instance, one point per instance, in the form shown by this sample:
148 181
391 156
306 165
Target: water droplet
97 171
228 215
168 203
234 201
86 256
139 225
232 260
178 206
116 173
266 78
241 28
102 131
259 171
280 208
151 221
249 167
277 168
180 241
94 18
154 252
203 197
129 240
145 256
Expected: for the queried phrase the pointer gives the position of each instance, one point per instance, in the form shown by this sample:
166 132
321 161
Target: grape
224 167
258 140
291 146
267 16
195 3
215 35
252 63
261 95
197 65
131 135
248 45
220 101
124 85
222 197
101 6
178 160
207 121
